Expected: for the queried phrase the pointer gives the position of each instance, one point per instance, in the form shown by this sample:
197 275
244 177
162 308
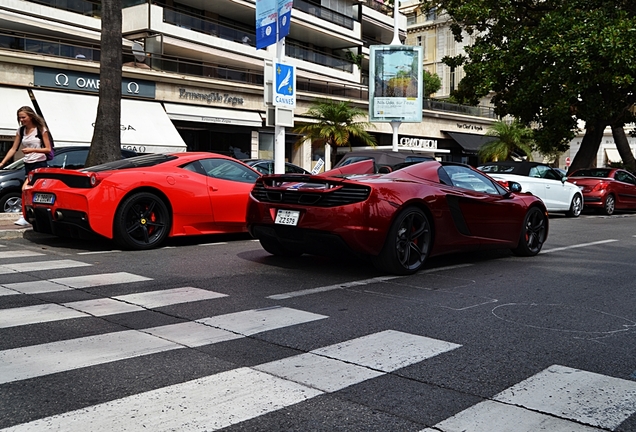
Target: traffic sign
567 161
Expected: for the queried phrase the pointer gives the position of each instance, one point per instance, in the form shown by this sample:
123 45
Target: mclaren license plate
287 217
43 198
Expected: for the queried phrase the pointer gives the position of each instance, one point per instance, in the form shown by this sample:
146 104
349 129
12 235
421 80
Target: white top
30 140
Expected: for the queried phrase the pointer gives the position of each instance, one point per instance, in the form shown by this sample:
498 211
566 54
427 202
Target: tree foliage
432 83
106 142
513 139
553 64
335 124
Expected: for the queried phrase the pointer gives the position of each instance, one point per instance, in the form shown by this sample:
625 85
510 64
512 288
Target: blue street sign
284 85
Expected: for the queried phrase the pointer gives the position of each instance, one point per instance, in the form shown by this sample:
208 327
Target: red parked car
397 219
140 201
606 189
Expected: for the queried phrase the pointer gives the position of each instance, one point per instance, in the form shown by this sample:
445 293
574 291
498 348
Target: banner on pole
284 17
266 23
273 20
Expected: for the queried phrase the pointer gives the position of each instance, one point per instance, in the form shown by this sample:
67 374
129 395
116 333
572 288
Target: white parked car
541 180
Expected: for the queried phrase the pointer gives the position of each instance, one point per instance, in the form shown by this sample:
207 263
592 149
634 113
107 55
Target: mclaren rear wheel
533 233
408 243
142 222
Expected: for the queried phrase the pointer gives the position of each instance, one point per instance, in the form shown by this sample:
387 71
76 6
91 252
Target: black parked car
384 161
266 166
12 176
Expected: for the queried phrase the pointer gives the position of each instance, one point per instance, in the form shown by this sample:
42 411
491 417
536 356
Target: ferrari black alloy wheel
142 221
533 233
408 243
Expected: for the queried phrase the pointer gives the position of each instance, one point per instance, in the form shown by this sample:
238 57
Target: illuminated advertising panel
395 88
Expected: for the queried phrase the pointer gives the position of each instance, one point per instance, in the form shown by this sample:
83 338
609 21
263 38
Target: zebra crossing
558 398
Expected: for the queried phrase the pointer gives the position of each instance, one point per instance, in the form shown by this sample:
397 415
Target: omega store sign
72 80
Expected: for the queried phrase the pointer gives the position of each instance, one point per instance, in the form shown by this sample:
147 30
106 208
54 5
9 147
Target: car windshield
592 172
133 162
496 168
15 165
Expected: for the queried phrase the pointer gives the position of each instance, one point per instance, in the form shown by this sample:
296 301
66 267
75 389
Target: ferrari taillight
96 178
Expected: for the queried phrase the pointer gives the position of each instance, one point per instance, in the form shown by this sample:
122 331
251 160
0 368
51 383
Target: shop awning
12 99
613 156
201 114
471 143
145 126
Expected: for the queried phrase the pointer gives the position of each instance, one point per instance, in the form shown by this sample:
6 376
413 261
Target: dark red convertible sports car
396 219
140 201
606 189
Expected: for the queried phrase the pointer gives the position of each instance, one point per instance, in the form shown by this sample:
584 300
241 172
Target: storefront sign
418 143
469 126
210 98
73 80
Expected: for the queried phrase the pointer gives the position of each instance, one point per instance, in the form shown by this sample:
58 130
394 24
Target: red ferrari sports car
140 201
606 189
397 219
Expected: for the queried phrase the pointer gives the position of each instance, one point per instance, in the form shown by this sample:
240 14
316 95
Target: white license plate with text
43 198
287 217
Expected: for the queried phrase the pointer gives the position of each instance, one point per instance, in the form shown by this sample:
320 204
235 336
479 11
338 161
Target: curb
9 231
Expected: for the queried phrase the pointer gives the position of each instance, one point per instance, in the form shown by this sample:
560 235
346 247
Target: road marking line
213 244
49 312
587 397
363 282
155 299
99 252
260 320
19 254
39 360
228 398
579 246
558 398
40 266
62 284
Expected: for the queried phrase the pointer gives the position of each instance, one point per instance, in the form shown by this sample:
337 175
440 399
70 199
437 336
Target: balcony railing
441 105
312 56
55 47
196 68
324 13
84 7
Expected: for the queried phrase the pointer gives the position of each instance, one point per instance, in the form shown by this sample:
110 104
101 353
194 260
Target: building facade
193 79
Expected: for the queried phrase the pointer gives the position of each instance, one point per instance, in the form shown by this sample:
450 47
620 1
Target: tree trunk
629 163
106 143
585 157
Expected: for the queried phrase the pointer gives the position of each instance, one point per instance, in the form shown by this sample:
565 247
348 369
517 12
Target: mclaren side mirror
514 187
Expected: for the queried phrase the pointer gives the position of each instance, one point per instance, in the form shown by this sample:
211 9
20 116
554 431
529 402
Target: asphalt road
214 333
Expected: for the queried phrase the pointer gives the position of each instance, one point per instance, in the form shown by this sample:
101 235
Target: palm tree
513 139
335 126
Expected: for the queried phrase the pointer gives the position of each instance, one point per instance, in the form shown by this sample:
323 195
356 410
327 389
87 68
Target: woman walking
36 144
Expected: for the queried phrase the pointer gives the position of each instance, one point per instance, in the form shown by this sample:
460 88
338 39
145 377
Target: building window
411 19
432 15
419 41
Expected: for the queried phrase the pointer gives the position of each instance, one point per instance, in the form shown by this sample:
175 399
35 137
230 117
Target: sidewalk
9 230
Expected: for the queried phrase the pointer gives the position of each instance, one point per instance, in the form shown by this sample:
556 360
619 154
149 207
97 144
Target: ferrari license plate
287 217
43 198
